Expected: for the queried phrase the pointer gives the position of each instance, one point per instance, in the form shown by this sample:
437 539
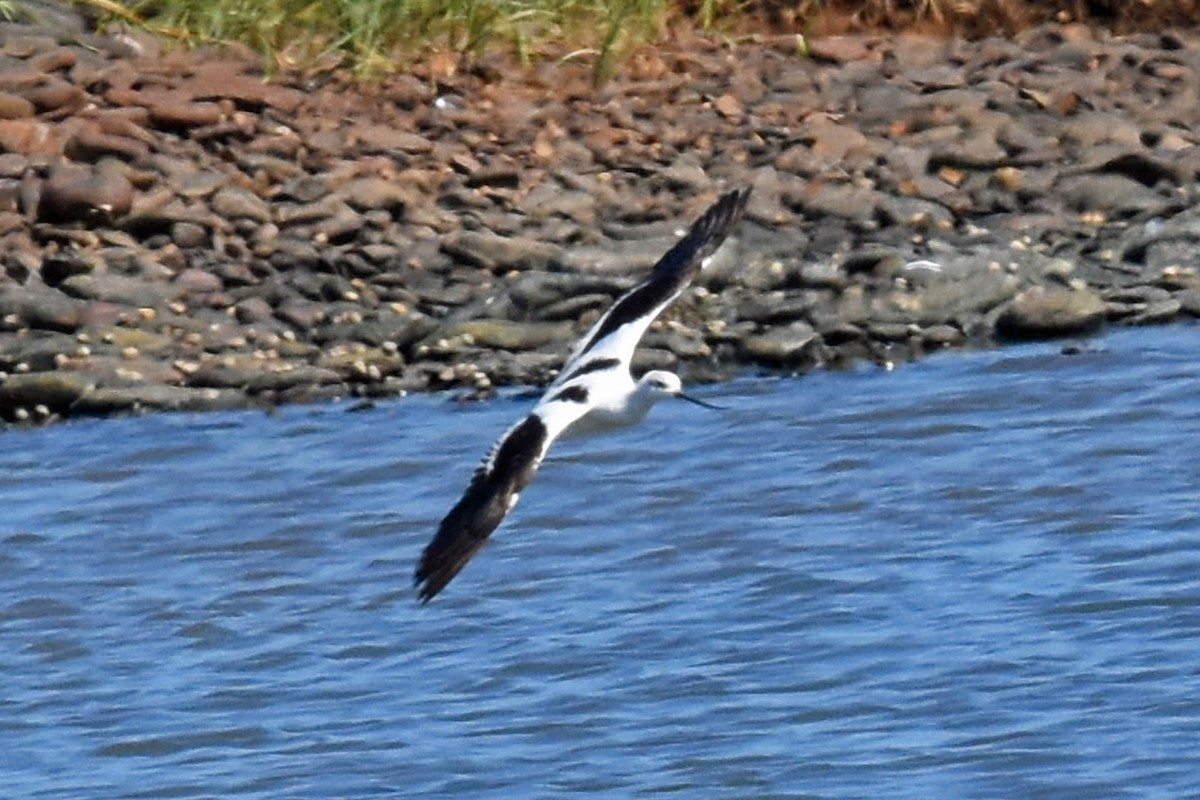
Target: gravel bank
176 233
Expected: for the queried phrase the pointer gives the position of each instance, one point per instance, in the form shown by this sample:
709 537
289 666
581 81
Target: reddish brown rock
197 281
184 114
56 95
80 194
90 143
13 106
226 80
55 60
30 137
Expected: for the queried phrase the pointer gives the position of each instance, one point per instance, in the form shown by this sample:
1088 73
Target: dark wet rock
679 342
499 334
55 95
551 200
373 194
938 336
253 309
1189 301
121 289
189 235
795 347
344 226
303 189
573 308
58 391
498 253
45 310
232 202
1157 312
288 215
80 194
91 144
385 329
914 212
1135 298
301 315
57 267
1042 312
13 165
158 213
846 202
1140 167
775 307
970 296
138 398
63 19
251 375
892 331
35 351
136 343
1113 194
616 258
196 281
371 138
534 290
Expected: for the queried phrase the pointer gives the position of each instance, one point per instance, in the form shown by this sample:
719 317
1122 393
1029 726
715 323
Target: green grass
373 36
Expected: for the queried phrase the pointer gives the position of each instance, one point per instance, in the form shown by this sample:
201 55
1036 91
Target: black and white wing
615 335
510 467
489 497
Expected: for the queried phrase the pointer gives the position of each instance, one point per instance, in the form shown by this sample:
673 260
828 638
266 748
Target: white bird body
614 401
594 392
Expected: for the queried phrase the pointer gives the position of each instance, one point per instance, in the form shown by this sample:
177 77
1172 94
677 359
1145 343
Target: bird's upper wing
616 334
492 493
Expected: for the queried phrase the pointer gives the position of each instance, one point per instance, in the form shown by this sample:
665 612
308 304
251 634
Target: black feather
482 507
676 268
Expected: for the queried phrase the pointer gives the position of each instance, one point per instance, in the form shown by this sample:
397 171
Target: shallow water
976 576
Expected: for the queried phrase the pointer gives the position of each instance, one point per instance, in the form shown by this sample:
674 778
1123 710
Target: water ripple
978 576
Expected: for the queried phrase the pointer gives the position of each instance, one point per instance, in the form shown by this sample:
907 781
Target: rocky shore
178 233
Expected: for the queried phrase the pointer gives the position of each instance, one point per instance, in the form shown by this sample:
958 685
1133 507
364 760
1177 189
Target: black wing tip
443 559
735 199
450 550
439 565
709 231
725 213
423 581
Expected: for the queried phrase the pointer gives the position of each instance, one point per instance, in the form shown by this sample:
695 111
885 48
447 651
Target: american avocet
594 392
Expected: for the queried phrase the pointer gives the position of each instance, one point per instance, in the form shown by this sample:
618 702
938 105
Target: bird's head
658 384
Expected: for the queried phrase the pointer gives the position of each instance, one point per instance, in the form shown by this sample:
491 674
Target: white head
657 384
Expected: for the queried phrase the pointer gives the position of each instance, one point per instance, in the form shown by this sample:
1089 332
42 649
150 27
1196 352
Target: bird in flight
595 391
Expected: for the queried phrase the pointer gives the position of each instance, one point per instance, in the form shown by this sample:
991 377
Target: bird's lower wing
492 493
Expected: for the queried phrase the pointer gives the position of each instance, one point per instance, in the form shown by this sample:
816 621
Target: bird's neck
640 403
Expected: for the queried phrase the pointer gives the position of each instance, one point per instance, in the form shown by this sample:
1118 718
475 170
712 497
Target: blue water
973 577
